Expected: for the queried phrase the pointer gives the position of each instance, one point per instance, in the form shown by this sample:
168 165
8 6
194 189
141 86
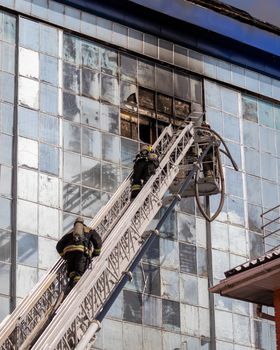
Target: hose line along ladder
20 328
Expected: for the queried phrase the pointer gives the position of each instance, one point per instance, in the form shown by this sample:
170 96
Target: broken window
129 125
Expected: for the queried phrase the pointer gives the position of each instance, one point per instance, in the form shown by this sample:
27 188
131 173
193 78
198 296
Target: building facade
83 91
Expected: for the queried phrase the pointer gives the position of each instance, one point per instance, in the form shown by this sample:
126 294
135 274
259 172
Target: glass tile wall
39 205
7 88
249 125
83 109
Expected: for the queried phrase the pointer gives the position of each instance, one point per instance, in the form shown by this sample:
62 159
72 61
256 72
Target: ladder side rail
106 218
104 221
125 240
89 336
46 289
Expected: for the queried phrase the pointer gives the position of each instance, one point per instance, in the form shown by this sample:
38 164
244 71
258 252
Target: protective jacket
90 245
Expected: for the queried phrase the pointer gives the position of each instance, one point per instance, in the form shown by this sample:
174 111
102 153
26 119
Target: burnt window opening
145 113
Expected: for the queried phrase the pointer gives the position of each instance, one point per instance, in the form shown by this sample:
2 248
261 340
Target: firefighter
78 247
145 164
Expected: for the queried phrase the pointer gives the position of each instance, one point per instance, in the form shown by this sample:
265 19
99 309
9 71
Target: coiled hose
220 171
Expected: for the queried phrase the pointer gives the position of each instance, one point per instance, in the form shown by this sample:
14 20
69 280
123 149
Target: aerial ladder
43 320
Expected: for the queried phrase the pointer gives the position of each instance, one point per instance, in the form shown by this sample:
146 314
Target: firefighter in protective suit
145 164
78 247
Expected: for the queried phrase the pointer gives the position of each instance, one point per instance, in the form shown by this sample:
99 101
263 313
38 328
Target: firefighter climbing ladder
121 225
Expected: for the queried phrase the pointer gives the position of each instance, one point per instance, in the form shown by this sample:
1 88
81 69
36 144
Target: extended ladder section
120 225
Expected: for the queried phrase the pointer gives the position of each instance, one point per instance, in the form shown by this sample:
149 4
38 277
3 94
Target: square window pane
91 202
28 123
71 46
152 311
7 87
129 149
27 249
8 57
48 69
90 83
109 89
5 213
91 143
196 90
5 274
251 134
266 114
72 167
28 92
146 74
153 279
6 145
49 190
90 55
128 68
182 86
28 63
71 107
111 148
164 80
110 118
5 181
169 254
109 61
26 278
169 284
250 108
49 159
27 216
188 262
170 314
7 118
110 177
28 184
48 99
231 128
49 129
132 306
71 77
90 112
72 137
72 198
91 172
5 246
29 34
9 33
49 39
